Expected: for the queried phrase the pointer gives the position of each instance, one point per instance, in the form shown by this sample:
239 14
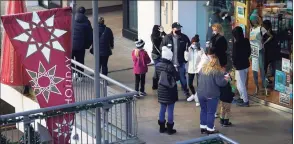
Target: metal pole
97 67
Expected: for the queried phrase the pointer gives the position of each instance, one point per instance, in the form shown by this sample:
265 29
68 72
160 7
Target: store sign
284 99
280 81
241 12
286 65
288 90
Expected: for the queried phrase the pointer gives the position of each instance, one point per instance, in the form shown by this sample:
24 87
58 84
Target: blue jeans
261 70
170 112
208 110
183 79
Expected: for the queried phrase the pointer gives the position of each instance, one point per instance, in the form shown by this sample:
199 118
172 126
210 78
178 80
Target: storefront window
133 15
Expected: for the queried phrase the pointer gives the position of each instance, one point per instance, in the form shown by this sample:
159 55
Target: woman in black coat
156 38
167 96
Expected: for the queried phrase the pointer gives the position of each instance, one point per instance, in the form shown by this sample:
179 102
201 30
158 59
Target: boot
155 84
221 121
170 129
162 127
203 131
227 123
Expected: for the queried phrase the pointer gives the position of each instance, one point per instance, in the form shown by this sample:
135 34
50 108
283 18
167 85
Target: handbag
166 80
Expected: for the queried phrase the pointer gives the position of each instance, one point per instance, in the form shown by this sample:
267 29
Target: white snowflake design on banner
61 126
44 82
45 42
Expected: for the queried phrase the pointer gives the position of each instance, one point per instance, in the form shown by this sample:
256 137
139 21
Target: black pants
140 79
190 82
104 64
79 56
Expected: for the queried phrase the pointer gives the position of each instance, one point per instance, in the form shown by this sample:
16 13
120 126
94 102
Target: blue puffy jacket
106 42
83 33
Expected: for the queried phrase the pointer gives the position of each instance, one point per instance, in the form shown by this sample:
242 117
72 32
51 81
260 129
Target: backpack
166 79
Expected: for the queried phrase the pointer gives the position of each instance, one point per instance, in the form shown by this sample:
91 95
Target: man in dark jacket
178 42
82 36
106 43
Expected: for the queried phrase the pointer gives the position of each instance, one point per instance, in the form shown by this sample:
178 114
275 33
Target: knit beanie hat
254 16
139 43
166 53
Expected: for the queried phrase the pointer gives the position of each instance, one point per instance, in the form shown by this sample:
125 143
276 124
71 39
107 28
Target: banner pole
97 67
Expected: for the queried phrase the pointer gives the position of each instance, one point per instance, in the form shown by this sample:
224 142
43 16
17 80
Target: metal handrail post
97 67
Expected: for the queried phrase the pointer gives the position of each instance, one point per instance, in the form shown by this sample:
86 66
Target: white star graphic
34 45
64 124
42 86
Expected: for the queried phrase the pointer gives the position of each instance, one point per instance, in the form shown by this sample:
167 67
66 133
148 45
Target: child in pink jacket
140 59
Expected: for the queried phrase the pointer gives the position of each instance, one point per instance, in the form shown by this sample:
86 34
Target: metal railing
215 138
119 120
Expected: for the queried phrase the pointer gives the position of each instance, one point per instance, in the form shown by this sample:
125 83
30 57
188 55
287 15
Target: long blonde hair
218 27
137 52
213 66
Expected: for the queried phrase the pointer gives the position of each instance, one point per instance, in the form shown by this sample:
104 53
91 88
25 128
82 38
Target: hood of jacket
81 18
212 67
238 33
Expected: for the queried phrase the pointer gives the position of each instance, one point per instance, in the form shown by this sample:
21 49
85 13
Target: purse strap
155 46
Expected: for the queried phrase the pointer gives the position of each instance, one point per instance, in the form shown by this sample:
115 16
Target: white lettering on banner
68 82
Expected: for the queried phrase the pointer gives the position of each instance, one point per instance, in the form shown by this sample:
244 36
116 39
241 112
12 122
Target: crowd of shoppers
172 53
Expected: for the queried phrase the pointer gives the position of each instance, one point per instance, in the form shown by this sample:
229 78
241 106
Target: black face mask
178 32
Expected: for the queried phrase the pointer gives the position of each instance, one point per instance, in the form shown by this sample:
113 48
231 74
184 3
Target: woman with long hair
156 38
241 54
211 78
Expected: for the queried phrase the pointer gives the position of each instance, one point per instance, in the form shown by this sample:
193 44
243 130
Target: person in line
82 39
211 78
215 18
226 99
156 39
219 42
106 44
141 60
193 57
241 55
178 42
256 34
272 50
167 96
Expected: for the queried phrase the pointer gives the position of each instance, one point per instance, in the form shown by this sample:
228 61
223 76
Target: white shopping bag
196 98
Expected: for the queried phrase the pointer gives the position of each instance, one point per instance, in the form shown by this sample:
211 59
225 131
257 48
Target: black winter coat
241 54
167 95
106 42
183 42
226 93
220 44
156 41
83 33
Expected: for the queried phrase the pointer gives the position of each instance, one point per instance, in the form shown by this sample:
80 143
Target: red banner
11 66
42 40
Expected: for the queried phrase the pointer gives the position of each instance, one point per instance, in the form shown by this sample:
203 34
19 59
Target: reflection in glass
133 14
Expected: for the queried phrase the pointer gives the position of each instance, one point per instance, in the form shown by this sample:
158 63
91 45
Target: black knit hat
82 10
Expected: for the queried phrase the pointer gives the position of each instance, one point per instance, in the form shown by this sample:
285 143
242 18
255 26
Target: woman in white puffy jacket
193 57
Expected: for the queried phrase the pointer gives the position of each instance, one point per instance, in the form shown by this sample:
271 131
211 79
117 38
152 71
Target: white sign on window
286 65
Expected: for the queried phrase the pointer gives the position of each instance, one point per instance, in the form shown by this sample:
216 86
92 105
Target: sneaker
197 104
137 95
143 94
190 98
216 115
244 104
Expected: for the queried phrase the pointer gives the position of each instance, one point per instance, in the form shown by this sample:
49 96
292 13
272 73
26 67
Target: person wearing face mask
193 57
178 42
219 42
215 18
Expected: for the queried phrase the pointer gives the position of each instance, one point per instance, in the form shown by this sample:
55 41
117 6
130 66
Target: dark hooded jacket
220 44
106 42
167 95
83 33
156 39
241 50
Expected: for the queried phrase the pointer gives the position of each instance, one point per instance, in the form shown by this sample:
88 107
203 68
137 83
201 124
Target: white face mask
193 46
214 32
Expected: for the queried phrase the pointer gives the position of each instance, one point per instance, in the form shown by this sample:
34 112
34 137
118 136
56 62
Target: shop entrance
166 14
